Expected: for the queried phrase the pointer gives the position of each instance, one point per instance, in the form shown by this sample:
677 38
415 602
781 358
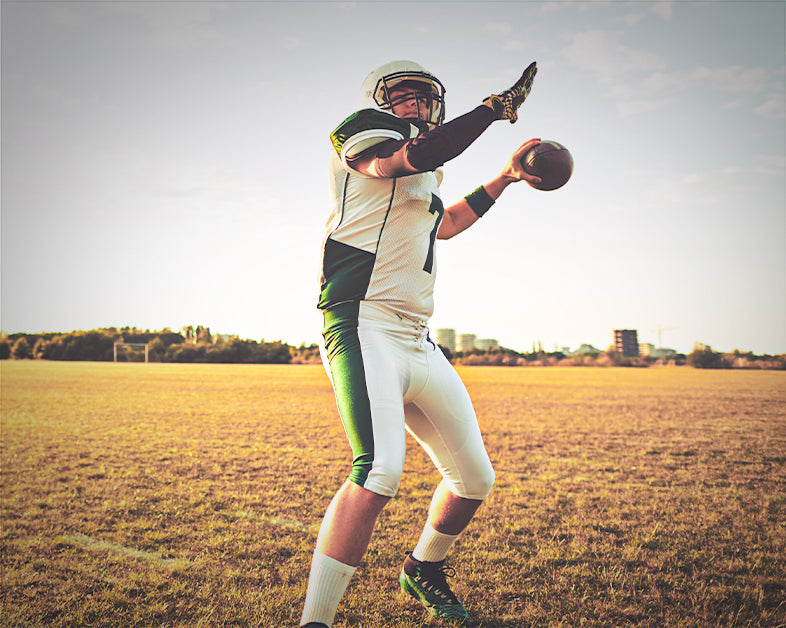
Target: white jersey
381 232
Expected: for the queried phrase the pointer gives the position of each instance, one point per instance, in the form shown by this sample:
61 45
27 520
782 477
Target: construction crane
660 331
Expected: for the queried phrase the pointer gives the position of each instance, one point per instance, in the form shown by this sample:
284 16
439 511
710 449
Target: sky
165 164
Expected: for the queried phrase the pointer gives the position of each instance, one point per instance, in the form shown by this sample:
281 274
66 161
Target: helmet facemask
424 87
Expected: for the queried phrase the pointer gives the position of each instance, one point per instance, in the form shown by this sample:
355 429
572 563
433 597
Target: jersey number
435 208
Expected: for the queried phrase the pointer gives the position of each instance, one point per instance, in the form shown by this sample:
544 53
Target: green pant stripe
349 382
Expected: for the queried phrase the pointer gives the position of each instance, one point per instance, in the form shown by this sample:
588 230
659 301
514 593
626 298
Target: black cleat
426 583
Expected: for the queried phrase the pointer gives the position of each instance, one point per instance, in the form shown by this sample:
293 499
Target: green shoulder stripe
367 120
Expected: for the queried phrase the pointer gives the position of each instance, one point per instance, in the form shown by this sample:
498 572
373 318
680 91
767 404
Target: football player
377 280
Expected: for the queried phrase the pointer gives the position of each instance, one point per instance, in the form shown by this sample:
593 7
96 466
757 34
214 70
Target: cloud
639 81
290 42
721 189
773 107
663 8
640 106
631 19
664 87
732 78
504 29
603 54
619 68
550 6
513 45
747 84
171 25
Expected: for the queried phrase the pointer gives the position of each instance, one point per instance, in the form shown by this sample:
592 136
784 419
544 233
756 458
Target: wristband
479 201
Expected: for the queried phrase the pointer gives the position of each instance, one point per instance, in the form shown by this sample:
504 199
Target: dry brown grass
188 495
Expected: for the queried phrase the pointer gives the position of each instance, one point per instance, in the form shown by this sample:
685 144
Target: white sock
433 546
326 585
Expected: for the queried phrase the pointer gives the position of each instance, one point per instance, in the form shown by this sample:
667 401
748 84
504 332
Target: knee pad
475 485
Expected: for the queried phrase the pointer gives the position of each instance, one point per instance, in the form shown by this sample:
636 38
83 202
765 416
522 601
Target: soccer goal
127 348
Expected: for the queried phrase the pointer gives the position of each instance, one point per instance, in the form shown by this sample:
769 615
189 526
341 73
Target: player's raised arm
436 143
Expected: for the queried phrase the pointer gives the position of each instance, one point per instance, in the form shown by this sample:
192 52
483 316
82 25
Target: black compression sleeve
430 150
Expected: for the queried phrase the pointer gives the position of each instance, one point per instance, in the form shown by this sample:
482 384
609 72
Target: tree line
702 357
197 344
190 345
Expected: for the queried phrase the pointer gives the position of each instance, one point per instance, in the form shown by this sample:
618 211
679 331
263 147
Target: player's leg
449 513
442 419
343 539
467 478
349 522
364 372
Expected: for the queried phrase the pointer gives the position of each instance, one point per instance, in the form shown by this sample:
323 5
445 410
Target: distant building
465 342
487 344
446 337
626 342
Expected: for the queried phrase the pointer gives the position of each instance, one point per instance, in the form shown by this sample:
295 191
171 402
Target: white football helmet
375 91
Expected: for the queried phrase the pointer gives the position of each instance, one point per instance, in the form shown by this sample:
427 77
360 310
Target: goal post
133 345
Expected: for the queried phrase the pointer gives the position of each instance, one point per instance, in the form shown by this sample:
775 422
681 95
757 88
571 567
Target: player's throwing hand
506 104
514 170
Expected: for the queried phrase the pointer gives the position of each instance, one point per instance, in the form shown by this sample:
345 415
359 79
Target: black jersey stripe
387 213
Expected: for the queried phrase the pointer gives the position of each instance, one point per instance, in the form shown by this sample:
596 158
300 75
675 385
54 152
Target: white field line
85 542
290 524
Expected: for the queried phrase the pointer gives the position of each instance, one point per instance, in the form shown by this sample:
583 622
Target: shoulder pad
367 127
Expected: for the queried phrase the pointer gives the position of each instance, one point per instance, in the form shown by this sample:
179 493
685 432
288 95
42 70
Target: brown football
550 161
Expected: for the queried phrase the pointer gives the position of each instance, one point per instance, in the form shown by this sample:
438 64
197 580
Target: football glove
506 104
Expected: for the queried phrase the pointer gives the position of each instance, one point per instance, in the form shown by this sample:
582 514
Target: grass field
189 495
